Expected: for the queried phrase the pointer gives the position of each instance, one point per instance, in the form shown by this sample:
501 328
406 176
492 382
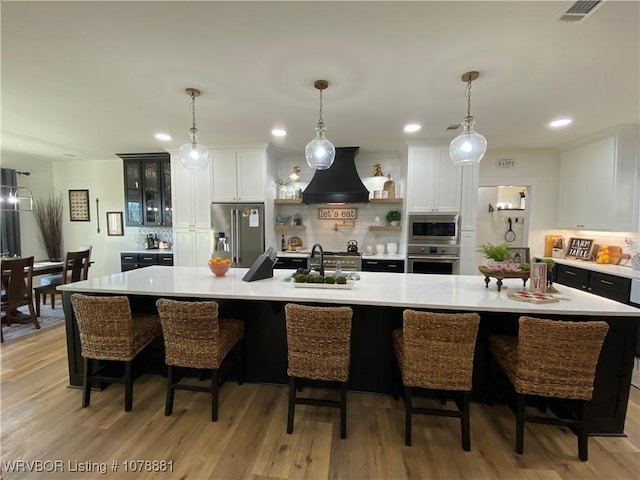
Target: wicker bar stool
435 351
194 337
551 358
109 331
318 348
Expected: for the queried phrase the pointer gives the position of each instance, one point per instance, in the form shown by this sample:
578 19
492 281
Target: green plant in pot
499 253
48 213
393 217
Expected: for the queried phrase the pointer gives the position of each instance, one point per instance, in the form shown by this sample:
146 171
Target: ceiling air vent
453 127
578 11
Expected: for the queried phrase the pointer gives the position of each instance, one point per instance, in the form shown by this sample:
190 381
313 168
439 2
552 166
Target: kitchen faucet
313 253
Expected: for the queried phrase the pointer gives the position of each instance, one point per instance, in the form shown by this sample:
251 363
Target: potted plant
498 255
393 217
48 213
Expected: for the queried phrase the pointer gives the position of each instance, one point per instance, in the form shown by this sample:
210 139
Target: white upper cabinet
239 175
598 184
434 183
191 195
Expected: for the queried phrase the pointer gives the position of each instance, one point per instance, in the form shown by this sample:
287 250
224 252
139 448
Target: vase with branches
48 213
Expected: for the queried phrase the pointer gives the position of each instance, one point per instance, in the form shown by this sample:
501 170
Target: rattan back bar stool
109 331
194 337
555 359
318 348
435 351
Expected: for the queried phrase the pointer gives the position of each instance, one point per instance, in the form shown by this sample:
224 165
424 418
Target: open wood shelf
397 201
287 201
288 228
385 229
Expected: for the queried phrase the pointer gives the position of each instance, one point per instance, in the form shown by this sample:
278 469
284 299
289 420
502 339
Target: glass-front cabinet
147 185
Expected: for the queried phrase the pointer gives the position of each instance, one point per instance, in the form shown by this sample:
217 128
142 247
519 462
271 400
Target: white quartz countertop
618 270
445 292
384 256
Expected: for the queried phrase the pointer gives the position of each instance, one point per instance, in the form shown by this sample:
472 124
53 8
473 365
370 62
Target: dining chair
76 268
435 351
194 337
552 359
17 281
318 348
110 332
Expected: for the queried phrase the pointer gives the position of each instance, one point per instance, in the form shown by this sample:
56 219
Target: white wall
537 168
105 180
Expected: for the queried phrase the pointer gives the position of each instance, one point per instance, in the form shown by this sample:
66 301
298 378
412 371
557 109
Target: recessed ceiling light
412 127
163 136
279 132
560 122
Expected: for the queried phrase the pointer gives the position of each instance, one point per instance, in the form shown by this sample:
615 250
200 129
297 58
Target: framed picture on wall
79 205
114 224
520 254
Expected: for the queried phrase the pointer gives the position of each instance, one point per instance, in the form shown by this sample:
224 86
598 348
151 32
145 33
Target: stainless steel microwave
429 228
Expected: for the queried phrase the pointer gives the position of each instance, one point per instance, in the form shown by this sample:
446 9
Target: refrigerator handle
237 236
232 226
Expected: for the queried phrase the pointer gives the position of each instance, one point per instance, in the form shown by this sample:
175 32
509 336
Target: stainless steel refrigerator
243 227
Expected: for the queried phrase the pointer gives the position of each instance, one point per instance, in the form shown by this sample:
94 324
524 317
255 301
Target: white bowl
392 247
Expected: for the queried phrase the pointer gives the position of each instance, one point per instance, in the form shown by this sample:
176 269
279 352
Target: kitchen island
378 300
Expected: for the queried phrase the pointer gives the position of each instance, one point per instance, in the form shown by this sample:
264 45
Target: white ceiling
92 79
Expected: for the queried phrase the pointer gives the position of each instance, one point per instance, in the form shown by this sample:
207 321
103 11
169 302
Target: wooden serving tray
348 286
499 276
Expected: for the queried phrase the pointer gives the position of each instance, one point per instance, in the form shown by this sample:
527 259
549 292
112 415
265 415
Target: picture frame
79 206
520 254
115 224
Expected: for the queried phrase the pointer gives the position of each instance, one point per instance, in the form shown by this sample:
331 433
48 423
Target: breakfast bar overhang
378 300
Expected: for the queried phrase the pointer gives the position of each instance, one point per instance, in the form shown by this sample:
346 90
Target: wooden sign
538 277
337 213
579 248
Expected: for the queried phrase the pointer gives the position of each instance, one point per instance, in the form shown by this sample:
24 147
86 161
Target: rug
48 318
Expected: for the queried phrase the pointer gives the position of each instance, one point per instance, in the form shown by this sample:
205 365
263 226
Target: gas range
349 261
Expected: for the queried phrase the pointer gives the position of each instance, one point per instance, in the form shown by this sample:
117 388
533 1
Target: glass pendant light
193 156
320 152
469 147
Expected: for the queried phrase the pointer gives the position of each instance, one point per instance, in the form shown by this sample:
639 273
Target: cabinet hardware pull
606 282
391 265
569 272
371 262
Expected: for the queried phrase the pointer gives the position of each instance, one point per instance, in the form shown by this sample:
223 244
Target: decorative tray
348 286
532 297
497 274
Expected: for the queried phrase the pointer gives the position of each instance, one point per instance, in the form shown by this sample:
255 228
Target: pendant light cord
193 132
320 120
468 89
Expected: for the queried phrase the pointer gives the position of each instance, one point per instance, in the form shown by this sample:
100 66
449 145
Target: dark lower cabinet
291 263
602 284
395 266
131 261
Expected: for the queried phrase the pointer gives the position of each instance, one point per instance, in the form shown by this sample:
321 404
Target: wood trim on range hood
338 184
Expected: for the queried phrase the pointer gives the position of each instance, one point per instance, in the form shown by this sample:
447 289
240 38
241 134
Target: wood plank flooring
42 420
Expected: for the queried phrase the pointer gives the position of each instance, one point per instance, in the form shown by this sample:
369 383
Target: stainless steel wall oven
433 246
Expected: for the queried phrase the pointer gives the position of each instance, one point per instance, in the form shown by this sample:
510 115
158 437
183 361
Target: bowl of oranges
219 266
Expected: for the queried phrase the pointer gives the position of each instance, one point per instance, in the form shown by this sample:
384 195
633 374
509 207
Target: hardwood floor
42 420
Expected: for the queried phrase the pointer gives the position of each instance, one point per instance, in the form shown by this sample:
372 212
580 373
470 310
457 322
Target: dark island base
372 359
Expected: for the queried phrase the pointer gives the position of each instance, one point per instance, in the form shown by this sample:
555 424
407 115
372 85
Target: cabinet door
225 188
152 203
191 208
133 193
586 186
421 178
250 171
167 200
191 247
448 183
